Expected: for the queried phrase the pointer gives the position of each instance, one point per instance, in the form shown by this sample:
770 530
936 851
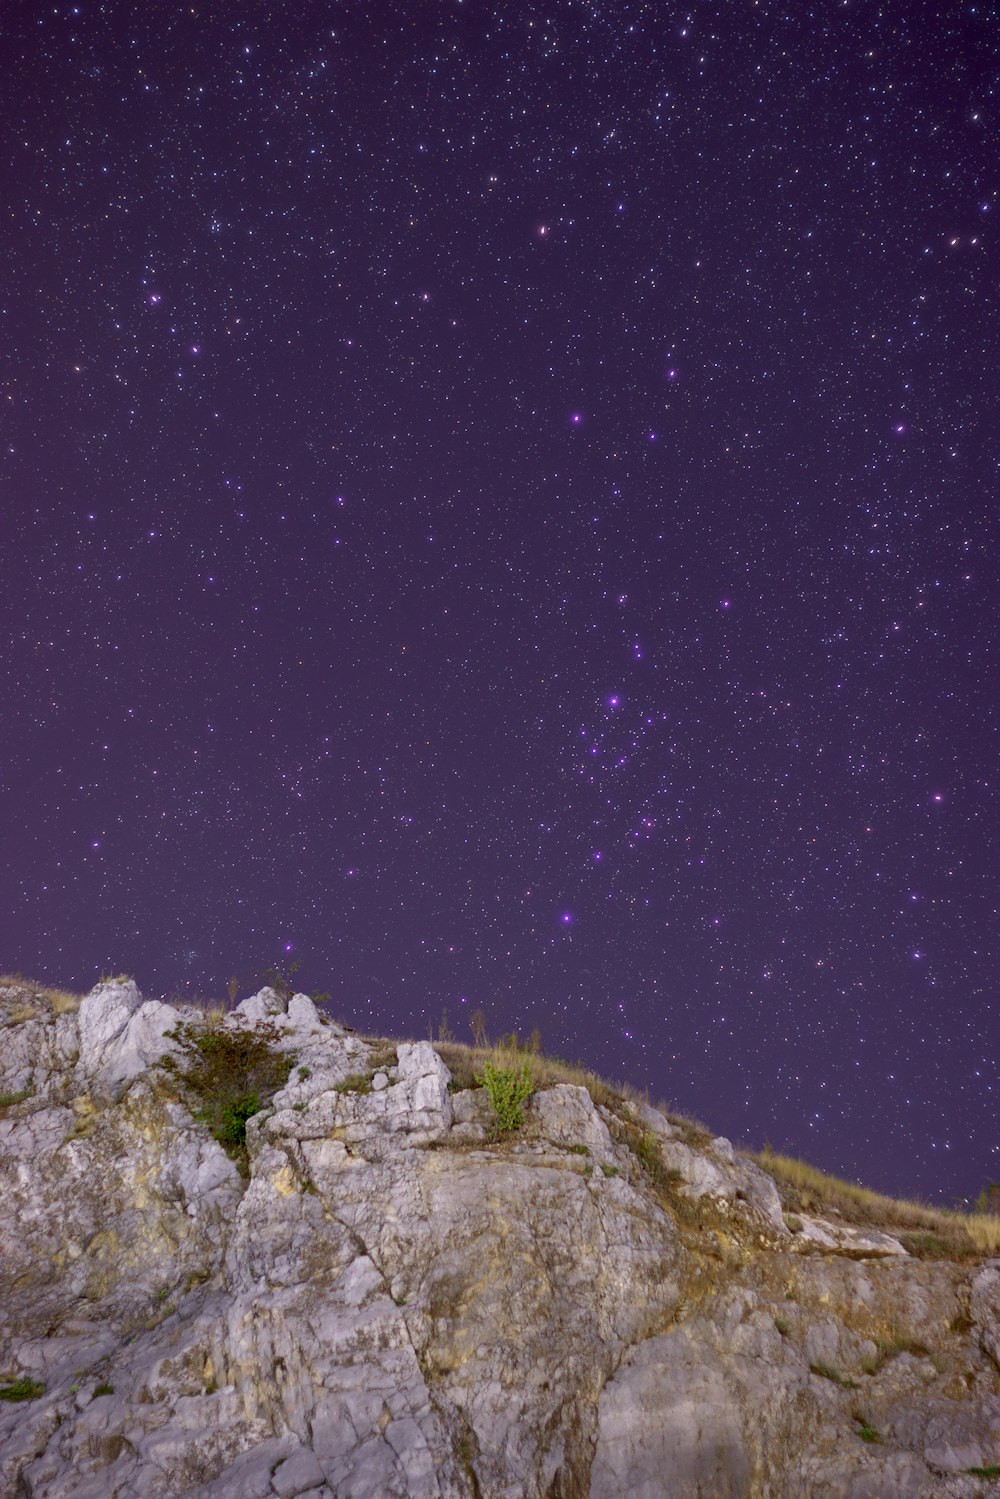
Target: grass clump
934 1246
232 1070
7 1100
509 1088
826 1371
103 1389
356 1082
991 1472
867 1433
647 1152
22 1389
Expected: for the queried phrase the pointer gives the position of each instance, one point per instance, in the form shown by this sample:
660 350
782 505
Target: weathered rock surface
392 1303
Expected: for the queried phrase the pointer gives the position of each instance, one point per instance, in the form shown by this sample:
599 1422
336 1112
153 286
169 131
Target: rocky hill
379 1295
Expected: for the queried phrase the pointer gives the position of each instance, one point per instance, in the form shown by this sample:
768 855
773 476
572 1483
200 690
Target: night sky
499 505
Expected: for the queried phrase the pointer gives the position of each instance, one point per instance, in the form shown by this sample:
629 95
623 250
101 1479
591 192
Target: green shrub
103 1389
508 1088
231 1129
233 1070
22 1389
868 1433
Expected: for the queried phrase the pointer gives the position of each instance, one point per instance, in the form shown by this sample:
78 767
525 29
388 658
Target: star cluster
499 505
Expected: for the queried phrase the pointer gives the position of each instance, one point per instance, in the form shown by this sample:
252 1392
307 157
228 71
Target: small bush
508 1089
609 1170
103 1389
280 978
22 1389
868 1433
231 1130
232 1070
991 1472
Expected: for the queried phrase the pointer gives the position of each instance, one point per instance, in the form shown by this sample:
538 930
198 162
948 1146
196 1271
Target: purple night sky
499 504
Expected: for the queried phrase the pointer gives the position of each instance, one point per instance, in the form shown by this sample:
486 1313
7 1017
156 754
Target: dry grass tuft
25 998
929 1232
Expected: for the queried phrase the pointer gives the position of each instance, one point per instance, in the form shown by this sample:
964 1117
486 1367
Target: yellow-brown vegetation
932 1232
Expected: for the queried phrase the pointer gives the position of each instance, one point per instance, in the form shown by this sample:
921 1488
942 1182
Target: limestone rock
390 1303
819 1233
985 1308
669 1429
718 1172
567 1116
120 1037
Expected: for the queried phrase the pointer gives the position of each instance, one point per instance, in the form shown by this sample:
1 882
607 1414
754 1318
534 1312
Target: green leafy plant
232 1069
508 1089
867 1433
22 1389
991 1472
609 1170
103 1389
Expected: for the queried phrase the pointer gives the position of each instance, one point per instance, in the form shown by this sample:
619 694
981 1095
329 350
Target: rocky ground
387 1301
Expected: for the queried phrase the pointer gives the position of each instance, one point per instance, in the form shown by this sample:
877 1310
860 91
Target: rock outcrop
387 1301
